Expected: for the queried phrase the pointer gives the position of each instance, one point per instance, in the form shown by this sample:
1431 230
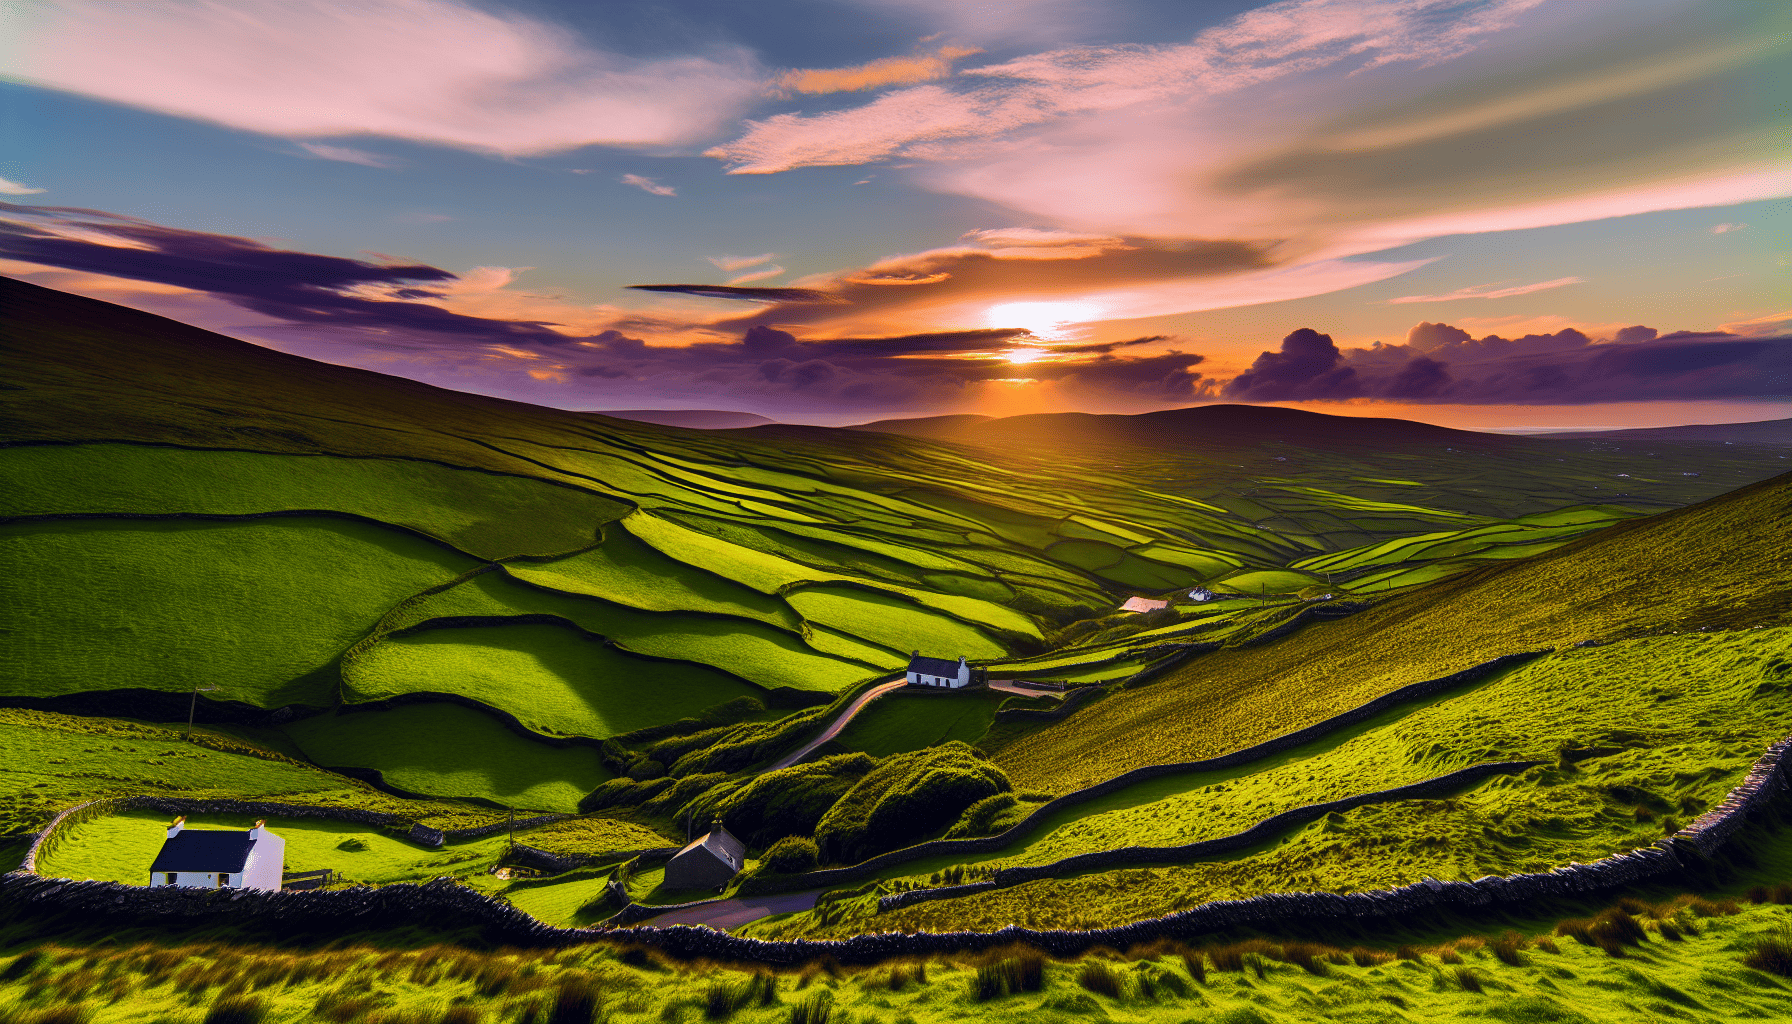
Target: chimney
917 652
260 827
179 823
961 659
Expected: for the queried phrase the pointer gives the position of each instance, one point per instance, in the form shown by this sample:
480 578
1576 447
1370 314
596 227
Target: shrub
645 769
1101 979
906 797
792 854
980 818
1772 953
353 845
792 801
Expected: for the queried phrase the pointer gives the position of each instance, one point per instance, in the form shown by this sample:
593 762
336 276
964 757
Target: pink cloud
347 155
435 71
1490 291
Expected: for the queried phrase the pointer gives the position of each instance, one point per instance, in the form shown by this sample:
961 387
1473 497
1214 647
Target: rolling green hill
188 510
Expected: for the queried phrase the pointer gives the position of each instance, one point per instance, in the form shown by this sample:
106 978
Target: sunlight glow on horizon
1044 320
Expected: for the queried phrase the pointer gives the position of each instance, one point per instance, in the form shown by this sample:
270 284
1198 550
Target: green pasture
597 836
562 904
489 515
259 609
551 678
120 848
1266 582
910 721
891 622
449 750
761 654
1644 757
50 761
626 571
1624 581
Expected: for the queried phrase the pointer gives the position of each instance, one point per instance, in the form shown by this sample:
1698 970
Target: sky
1497 214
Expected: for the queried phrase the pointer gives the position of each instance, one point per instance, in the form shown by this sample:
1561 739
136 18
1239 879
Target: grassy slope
120 848
261 608
1720 573
452 751
911 721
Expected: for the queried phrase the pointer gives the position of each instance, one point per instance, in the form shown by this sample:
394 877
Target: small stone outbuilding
708 862
219 858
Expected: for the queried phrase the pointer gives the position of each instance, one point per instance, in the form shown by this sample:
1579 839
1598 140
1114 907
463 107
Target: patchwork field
496 606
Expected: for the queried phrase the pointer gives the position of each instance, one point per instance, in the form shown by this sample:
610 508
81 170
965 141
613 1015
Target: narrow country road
839 723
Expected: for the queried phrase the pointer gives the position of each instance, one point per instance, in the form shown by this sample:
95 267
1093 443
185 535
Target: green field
452 751
551 678
259 608
911 721
120 848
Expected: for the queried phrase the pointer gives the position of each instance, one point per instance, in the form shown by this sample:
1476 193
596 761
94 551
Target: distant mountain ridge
696 419
1220 424
1778 432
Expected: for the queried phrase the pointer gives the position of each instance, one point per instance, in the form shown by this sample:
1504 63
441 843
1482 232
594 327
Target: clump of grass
1408 953
578 1001
237 1010
1548 945
1363 956
1196 964
1772 953
352 845
23 964
903 975
1508 949
1098 977
1714 908
1467 979
1448 954
1011 976
723 999
69 1014
1171 982
814 1010
1306 956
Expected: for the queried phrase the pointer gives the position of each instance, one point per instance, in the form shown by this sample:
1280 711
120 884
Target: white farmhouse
953 675
219 858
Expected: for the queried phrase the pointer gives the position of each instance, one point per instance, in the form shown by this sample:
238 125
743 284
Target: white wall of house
196 879
267 861
963 678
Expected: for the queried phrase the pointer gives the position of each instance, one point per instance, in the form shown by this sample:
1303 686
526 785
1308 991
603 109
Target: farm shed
219 858
708 862
940 672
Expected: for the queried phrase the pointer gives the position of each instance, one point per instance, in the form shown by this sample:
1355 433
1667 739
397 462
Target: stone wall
1268 828
446 904
829 878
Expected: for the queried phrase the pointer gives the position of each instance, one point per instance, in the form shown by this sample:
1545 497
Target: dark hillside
1774 432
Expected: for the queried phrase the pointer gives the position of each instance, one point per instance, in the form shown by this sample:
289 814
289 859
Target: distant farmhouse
219 858
1143 604
708 862
953 675
1200 594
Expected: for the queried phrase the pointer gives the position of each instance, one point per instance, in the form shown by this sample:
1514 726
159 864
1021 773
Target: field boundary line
446 903
831 877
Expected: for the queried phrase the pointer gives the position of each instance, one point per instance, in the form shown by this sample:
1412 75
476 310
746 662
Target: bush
980 818
792 801
645 769
792 854
906 798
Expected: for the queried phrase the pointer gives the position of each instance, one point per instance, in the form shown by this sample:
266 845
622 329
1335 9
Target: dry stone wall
447 904
829 878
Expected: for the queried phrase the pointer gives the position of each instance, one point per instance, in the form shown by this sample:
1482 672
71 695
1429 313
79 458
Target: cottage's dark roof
933 666
204 849
720 844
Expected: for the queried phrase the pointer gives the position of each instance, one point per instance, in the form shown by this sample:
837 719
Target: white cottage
219 858
953 675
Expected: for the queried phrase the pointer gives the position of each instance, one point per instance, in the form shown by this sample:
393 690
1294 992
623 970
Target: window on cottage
168 878
223 881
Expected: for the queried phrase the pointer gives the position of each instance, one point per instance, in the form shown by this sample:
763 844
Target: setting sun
1025 355
1042 319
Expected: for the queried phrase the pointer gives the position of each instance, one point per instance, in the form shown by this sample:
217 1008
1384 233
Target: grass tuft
1098 977
1467 979
237 1010
1772 953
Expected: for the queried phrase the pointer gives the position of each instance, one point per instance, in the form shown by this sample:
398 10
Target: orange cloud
884 71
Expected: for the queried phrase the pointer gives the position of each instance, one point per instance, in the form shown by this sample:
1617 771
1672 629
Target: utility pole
193 706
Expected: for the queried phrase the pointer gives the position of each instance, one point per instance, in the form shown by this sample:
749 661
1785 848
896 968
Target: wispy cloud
757 275
733 263
13 188
347 155
905 70
1726 228
436 71
648 185
1490 291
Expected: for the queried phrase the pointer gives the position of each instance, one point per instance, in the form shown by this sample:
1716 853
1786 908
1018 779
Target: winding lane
839 723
